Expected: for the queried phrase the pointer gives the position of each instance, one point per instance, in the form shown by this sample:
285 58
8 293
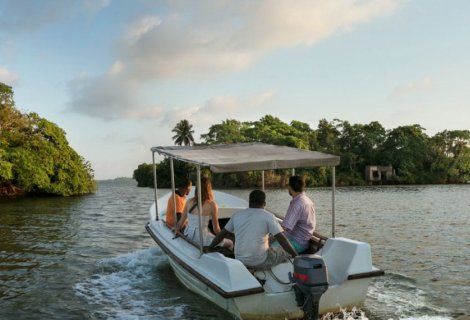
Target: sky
118 75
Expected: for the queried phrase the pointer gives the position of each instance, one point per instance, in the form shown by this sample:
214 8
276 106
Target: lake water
91 258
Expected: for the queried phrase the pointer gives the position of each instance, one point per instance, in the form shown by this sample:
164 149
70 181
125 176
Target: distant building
379 174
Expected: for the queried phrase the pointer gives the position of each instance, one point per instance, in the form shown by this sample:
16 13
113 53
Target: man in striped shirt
299 222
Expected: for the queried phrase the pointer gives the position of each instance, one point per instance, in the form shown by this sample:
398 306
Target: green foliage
35 156
358 146
6 96
184 133
229 131
461 167
327 136
182 169
144 173
6 168
415 157
406 148
268 129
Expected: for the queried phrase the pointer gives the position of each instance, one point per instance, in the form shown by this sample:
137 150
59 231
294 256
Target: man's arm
219 237
285 244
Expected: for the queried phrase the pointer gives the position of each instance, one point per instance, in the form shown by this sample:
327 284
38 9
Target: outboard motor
310 280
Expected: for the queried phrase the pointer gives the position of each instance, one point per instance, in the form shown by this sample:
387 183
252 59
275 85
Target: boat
224 280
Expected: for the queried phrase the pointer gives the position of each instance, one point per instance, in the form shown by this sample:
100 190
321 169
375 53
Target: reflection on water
90 257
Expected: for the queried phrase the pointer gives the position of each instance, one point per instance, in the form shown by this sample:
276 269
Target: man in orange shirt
180 198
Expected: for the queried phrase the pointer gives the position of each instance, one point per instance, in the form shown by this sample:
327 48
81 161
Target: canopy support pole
199 208
172 169
155 184
333 187
262 180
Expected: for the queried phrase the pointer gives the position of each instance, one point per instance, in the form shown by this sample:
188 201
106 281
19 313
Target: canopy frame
243 157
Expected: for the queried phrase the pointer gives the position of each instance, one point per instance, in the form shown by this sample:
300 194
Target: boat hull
253 306
265 305
266 294
275 306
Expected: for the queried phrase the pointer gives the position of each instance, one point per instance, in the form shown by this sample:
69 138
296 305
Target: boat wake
128 287
344 314
141 285
358 314
396 296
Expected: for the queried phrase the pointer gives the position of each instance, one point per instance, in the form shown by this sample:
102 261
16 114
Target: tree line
35 157
415 157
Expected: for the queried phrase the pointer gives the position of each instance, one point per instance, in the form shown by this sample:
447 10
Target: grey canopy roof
247 156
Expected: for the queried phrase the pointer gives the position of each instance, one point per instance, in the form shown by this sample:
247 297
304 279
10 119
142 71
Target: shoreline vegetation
415 157
36 159
35 156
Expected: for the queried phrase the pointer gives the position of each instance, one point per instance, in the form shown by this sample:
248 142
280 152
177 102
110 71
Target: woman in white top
209 211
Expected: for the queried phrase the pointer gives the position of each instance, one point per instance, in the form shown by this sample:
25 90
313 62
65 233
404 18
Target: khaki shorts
275 256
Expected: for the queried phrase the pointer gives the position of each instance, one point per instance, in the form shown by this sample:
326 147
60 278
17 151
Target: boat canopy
247 156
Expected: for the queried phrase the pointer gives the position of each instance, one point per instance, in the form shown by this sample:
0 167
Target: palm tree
184 133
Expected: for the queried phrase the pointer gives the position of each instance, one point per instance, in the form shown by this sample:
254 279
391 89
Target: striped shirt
299 222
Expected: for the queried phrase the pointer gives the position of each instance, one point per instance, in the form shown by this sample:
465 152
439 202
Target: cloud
147 113
222 105
28 16
109 97
94 6
214 37
205 39
8 77
413 88
25 16
274 24
220 108
8 48
140 28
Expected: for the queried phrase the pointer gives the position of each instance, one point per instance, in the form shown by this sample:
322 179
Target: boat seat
225 251
344 257
226 212
222 250
317 241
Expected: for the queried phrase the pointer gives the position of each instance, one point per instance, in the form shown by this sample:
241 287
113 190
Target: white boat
226 281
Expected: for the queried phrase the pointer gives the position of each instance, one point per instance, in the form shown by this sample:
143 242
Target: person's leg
227 243
275 256
294 244
298 247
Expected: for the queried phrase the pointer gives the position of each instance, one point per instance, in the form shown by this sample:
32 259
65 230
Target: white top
192 229
247 156
252 227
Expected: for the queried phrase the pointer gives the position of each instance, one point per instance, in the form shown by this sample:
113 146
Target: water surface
91 258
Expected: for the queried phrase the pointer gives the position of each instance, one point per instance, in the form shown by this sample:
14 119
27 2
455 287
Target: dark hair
257 199
297 183
184 182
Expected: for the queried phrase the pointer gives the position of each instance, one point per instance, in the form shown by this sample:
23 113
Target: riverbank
8 190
